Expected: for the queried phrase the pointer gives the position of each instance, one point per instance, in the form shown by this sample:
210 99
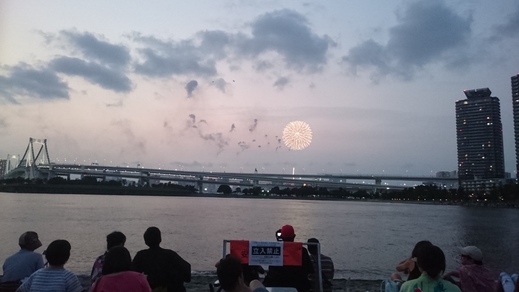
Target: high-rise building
479 135
515 101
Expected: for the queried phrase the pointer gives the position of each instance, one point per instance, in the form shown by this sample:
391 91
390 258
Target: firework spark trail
297 135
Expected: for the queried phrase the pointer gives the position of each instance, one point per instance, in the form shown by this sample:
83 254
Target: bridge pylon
31 161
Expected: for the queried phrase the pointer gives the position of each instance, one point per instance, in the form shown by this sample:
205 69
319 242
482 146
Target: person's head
115 238
431 259
287 233
117 260
152 237
229 272
312 249
58 252
471 255
29 240
419 245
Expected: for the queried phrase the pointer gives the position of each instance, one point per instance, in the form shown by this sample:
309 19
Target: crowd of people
425 271
162 270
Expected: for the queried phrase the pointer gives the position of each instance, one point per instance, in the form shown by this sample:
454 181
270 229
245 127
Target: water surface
365 239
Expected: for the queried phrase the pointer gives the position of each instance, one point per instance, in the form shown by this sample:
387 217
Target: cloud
190 87
24 80
93 72
289 34
426 32
166 58
220 84
510 28
281 82
93 48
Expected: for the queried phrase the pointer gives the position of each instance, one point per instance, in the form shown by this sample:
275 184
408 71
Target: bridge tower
31 161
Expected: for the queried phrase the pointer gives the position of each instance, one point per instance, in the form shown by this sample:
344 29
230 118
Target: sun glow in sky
211 84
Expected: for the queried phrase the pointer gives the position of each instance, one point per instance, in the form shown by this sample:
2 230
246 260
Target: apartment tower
479 135
515 101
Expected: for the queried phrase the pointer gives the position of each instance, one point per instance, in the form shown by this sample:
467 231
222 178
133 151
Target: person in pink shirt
117 275
473 275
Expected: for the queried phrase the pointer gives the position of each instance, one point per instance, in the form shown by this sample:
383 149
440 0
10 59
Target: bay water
365 239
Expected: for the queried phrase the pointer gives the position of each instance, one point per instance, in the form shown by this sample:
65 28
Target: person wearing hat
26 261
472 274
290 276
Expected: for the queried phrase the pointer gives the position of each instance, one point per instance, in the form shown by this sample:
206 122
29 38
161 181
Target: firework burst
297 135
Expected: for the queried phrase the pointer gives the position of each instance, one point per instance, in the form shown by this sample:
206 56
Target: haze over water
365 239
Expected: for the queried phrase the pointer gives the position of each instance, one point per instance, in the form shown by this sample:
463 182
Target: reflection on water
365 239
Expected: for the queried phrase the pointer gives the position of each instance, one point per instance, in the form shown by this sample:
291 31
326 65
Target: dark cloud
93 72
281 82
166 58
93 48
220 84
427 32
190 87
289 34
24 80
510 28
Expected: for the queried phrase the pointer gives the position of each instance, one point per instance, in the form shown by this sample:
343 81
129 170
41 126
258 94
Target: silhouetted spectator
408 266
55 277
327 268
431 261
290 276
115 238
117 275
24 262
163 267
472 274
230 276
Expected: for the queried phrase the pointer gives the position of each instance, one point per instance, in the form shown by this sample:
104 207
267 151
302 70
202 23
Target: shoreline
200 283
165 192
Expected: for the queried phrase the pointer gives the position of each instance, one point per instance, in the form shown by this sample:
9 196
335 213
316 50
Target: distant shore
200 283
174 192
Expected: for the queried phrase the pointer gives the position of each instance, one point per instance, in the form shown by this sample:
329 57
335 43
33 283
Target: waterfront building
479 135
3 167
515 102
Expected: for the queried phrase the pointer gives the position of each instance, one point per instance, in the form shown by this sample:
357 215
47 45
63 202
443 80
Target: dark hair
114 239
419 245
152 237
312 249
58 252
229 272
117 260
431 260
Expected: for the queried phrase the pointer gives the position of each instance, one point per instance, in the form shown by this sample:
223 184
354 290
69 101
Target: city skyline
211 85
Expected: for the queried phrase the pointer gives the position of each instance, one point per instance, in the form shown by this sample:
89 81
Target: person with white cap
24 262
472 274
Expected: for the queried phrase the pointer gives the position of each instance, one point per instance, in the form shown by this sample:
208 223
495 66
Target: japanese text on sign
266 253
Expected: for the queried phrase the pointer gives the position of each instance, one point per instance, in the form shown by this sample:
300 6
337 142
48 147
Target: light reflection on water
365 239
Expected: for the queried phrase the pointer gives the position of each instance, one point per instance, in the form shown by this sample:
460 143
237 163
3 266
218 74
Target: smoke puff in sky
190 87
376 80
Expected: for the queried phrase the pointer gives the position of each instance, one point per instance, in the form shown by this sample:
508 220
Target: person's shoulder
450 287
325 257
408 285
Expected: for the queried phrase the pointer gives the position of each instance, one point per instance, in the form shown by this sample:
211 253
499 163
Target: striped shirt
51 280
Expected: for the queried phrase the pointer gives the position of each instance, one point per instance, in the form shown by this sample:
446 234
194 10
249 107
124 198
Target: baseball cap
472 252
287 231
29 240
